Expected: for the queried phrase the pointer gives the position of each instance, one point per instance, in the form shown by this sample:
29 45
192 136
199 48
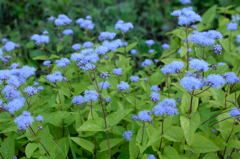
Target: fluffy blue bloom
165 46
123 86
231 77
51 18
10 92
9 46
14 81
15 104
62 20
173 67
201 38
86 24
151 51
47 63
145 79
117 71
105 75
166 107
107 99
106 36
122 26
144 116
101 50
185 1
14 66
78 100
134 78
24 120
40 39
76 47
87 66
146 62
155 88
113 45
39 118
232 26
127 135
155 96
104 85
215 80
67 32
151 157
217 49
62 62
30 90
214 34
90 95
55 77
186 16
4 74
134 117
191 83
133 52
198 65
40 88
88 44
221 64
234 112
238 38
149 42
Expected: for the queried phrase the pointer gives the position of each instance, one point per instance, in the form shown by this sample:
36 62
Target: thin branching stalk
160 146
225 148
191 102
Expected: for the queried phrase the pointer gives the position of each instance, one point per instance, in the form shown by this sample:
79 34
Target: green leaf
116 117
87 145
92 125
7 148
60 118
113 142
43 57
202 144
133 148
171 153
30 148
174 133
53 56
131 46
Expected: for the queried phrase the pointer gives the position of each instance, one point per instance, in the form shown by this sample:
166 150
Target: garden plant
70 92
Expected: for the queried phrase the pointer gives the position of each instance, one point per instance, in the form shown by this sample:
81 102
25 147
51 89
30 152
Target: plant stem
187 42
191 101
201 91
160 146
45 149
225 148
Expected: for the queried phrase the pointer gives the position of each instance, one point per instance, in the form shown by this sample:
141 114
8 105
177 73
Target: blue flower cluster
134 78
185 1
166 107
198 65
62 20
234 112
127 135
62 62
173 67
123 26
40 39
149 42
191 83
86 23
205 38
67 32
55 77
123 86
24 120
232 26
106 36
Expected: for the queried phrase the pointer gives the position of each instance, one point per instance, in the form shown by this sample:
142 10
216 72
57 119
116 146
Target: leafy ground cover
72 91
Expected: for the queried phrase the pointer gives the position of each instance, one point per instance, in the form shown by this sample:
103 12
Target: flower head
174 67
24 120
127 135
198 65
123 86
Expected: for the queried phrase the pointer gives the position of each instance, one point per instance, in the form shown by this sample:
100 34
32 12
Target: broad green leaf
92 125
30 148
170 153
7 148
174 133
113 142
43 57
201 144
116 117
87 145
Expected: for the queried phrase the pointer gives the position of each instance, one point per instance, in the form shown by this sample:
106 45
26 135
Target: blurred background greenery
151 17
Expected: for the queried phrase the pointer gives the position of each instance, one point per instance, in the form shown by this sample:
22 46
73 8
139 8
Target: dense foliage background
175 96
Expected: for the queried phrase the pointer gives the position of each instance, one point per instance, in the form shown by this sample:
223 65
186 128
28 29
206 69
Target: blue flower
198 65
215 80
24 120
174 67
232 26
101 50
76 47
155 96
151 157
191 83
202 38
40 39
62 62
155 88
123 86
55 77
134 78
106 36
10 92
30 90
78 100
234 112
113 45
122 26
62 20
39 118
104 85
90 95
127 135
117 71
47 63
105 75
144 116
9 46
15 104
67 32
149 42
88 44
231 77
217 49
147 62
238 38
186 16
166 107
86 24
165 46
133 52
